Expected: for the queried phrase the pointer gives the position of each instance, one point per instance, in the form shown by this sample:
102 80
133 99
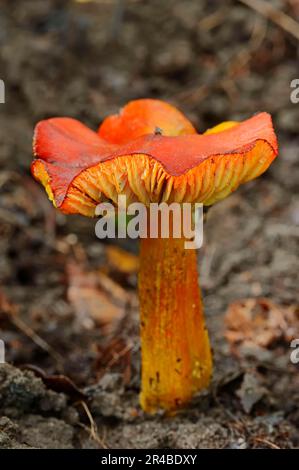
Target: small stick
22 326
268 443
277 16
11 311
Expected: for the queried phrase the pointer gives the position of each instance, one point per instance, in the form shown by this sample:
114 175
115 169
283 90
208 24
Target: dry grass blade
11 312
37 340
93 430
266 442
281 19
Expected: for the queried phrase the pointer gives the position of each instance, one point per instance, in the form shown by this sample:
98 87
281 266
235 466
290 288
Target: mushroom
151 153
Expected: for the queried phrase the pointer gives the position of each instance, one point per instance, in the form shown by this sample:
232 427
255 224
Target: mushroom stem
176 356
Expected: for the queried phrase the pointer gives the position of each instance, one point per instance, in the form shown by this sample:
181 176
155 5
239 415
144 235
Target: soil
68 302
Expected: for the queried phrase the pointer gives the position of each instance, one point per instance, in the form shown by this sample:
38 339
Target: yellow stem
176 356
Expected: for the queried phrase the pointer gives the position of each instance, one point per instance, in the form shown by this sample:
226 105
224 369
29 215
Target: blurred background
68 302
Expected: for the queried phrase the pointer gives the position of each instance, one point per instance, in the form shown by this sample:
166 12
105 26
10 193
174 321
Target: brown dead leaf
96 298
260 323
59 383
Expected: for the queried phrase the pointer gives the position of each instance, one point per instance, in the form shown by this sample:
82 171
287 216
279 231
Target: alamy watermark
174 220
2 352
294 96
2 91
294 357
157 220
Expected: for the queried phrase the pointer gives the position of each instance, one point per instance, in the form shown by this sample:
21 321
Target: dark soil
66 307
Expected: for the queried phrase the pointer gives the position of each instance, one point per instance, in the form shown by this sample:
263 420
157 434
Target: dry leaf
59 383
260 323
250 392
96 298
122 260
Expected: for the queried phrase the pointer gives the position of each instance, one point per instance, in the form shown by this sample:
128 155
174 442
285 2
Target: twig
268 443
117 356
11 312
37 339
197 94
213 20
275 15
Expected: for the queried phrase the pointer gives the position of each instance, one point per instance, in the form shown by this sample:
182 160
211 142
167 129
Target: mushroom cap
150 153
141 117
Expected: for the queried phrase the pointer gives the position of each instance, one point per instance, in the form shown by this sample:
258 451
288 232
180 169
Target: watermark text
2 91
294 357
294 96
158 220
2 352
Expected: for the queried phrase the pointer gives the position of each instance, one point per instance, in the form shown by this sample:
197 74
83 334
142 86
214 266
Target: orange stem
176 356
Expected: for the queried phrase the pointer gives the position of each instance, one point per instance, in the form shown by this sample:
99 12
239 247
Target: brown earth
68 302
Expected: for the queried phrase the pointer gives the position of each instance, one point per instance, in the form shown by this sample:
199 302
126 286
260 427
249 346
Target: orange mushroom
151 153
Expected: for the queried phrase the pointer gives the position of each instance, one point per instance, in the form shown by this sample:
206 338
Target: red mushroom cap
80 168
